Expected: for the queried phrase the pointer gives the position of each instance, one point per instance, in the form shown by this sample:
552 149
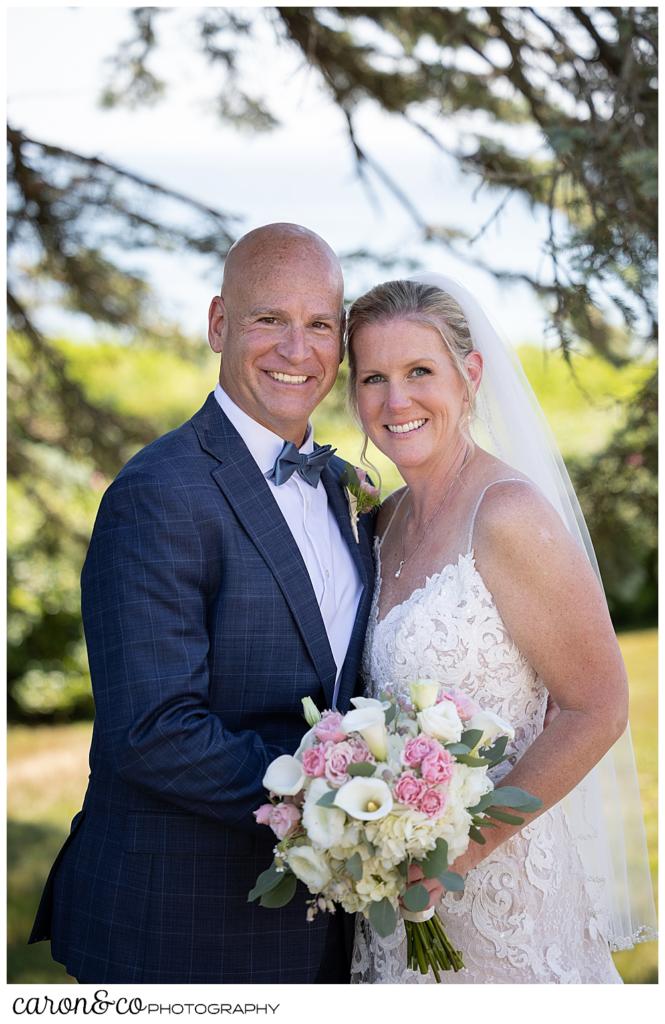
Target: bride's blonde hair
422 304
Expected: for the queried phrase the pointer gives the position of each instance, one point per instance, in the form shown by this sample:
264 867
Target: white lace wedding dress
525 916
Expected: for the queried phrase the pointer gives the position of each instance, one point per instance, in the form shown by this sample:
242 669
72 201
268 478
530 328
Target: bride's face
410 396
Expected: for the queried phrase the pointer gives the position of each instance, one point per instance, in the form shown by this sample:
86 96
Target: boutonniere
361 495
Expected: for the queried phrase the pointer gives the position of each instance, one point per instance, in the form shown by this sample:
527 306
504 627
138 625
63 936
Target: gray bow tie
309 467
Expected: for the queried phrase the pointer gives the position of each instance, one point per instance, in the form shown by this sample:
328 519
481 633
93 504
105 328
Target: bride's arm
553 608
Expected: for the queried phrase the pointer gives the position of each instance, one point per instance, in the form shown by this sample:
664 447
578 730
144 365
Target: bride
486 581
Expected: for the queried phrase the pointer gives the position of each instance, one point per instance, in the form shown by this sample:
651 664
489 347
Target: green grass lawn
47 774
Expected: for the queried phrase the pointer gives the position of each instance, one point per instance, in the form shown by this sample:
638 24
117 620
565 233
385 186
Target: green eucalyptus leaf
472 762
436 860
485 801
511 796
509 819
362 768
416 897
354 866
472 737
452 881
281 894
477 835
328 799
383 917
266 881
390 713
496 752
457 749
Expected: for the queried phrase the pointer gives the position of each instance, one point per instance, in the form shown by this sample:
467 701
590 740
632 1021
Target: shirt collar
263 444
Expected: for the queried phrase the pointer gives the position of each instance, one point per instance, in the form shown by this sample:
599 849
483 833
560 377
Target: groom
223 584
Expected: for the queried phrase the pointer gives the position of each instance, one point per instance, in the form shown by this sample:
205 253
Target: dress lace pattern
525 915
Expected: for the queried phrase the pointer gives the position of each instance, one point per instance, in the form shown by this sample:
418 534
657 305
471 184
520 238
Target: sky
303 171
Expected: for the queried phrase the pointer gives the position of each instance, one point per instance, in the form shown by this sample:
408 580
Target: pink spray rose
284 820
409 789
314 762
432 802
262 815
437 767
361 751
338 758
329 727
466 708
417 748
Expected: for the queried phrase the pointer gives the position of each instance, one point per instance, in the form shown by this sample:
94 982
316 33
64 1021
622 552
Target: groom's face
277 325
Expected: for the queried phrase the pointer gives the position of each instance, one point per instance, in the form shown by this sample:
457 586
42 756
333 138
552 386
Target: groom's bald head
281 243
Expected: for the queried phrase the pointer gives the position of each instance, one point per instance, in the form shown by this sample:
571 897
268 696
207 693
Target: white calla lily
324 825
370 702
370 722
424 693
365 798
284 776
309 866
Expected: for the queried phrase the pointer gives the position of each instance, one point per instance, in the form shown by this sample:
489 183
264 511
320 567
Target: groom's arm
145 587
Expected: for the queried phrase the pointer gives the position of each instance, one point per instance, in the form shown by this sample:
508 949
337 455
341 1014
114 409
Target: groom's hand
433 886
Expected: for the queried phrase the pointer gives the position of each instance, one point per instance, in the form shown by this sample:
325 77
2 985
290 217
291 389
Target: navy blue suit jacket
203 635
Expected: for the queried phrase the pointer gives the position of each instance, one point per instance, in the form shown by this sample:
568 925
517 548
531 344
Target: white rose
442 722
309 866
324 825
475 784
491 725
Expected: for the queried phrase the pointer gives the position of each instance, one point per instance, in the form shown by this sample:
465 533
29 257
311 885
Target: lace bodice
525 915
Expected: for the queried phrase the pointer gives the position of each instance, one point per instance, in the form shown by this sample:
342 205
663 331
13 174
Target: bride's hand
433 886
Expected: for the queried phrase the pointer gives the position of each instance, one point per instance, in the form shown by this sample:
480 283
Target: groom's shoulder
169 455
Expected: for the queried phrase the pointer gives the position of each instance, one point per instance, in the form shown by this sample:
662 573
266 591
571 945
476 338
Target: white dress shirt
331 568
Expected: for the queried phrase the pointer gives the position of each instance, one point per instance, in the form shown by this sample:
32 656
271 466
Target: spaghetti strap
390 521
503 480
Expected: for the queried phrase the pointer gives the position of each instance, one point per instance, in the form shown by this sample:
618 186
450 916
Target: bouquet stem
429 948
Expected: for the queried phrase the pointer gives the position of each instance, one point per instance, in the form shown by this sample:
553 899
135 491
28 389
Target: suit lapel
339 505
248 493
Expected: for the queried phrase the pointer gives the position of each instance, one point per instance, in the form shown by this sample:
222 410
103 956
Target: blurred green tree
555 105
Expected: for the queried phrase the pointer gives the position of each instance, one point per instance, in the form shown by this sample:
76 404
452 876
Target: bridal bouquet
391 783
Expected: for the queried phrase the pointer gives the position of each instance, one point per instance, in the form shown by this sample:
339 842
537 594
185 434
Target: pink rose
284 820
466 708
314 762
338 758
328 729
361 751
409 789
432 802
417 748
263 814
437 766
365 485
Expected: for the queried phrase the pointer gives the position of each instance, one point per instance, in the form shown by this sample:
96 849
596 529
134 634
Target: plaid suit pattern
203 635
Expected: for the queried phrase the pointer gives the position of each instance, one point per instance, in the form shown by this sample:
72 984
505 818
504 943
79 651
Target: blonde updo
422 304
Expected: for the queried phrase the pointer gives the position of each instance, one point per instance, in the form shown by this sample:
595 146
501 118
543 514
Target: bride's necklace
404 559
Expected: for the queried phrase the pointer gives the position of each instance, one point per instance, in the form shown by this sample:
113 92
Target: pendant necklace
431 519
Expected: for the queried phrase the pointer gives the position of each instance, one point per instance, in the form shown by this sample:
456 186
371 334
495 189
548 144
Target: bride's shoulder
513 514
387 510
